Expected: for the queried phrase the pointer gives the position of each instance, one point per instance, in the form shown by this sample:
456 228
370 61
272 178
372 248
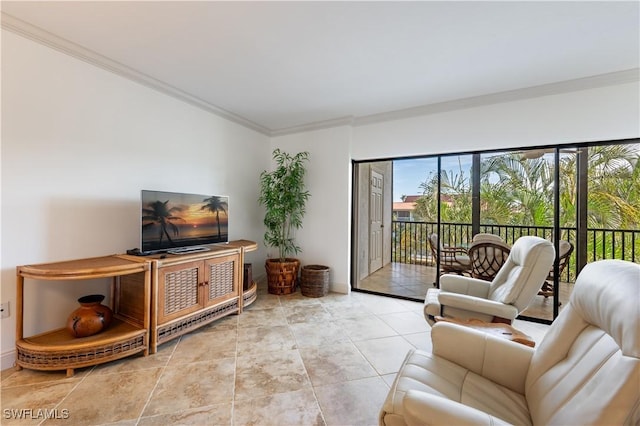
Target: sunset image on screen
172 220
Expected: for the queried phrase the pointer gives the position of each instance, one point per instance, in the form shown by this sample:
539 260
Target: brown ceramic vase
90 318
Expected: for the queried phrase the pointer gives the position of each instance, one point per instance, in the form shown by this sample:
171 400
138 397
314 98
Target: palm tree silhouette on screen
159 213
215 205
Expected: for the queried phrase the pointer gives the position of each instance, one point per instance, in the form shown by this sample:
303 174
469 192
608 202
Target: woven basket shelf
314 281
250 296
188 323
126 335
59 350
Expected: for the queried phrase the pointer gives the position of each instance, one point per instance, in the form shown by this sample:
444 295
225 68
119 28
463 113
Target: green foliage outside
519 192
516 191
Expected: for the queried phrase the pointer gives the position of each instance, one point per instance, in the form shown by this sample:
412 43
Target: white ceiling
276 66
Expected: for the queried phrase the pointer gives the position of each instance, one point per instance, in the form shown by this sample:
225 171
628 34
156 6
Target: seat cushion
487 237
462 260
433 307
429 373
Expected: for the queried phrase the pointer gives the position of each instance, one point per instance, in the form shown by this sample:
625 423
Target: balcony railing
409 241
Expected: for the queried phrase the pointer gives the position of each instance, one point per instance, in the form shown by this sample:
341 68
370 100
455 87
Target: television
178 222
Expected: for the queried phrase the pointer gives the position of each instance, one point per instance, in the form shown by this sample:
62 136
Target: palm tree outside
518 192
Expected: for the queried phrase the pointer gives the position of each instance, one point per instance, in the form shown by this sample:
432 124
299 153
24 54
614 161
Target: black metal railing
409 241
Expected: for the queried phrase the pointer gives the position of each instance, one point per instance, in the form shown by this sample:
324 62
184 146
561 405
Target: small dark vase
90 318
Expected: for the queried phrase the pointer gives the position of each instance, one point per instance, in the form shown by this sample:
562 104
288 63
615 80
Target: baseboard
8 359
260 278
340 288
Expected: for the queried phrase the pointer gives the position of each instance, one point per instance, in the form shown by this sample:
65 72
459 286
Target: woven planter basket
282 277
314 281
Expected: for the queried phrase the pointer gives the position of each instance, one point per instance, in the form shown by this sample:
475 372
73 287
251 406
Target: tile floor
287 360
401 279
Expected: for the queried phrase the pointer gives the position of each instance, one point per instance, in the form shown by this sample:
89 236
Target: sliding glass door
585 199
533 193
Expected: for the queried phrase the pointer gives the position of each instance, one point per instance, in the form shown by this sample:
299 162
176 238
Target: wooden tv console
154 299
189 291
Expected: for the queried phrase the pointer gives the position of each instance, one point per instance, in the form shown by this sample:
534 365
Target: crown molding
601 80
60 44
318 125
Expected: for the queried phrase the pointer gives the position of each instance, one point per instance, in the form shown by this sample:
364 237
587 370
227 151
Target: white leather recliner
586 371
514 287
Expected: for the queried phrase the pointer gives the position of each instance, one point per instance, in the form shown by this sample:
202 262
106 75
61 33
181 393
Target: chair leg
546 290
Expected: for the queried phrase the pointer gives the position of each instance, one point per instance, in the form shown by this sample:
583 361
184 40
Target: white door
375 221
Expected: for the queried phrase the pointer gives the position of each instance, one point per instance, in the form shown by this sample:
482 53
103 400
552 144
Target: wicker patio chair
487 258
565 250
482 237
452 259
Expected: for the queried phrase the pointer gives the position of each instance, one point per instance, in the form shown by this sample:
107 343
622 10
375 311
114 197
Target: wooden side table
501 330
58 349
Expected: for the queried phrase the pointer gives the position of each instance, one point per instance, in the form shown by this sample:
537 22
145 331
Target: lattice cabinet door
221 279
179 291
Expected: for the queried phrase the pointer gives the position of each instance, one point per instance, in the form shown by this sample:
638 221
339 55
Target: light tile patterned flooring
286 360
401 279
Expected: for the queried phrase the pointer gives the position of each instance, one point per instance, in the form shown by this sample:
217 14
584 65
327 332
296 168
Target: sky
409 174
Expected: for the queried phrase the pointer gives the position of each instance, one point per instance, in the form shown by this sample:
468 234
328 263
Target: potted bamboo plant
284 196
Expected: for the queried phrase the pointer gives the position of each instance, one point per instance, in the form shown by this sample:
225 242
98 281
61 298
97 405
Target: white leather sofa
586 371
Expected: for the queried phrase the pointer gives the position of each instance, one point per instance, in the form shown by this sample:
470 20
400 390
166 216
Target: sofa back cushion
524 272
587 368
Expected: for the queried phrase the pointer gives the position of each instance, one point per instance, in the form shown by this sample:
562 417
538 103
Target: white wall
78 145
604 113
325 237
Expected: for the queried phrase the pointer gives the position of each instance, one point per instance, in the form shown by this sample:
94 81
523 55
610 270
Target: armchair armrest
465 285
477 305
421 408
496 359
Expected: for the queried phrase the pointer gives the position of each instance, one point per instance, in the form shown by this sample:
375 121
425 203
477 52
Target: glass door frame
582 163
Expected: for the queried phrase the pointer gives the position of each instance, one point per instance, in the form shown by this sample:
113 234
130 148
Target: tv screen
173 220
